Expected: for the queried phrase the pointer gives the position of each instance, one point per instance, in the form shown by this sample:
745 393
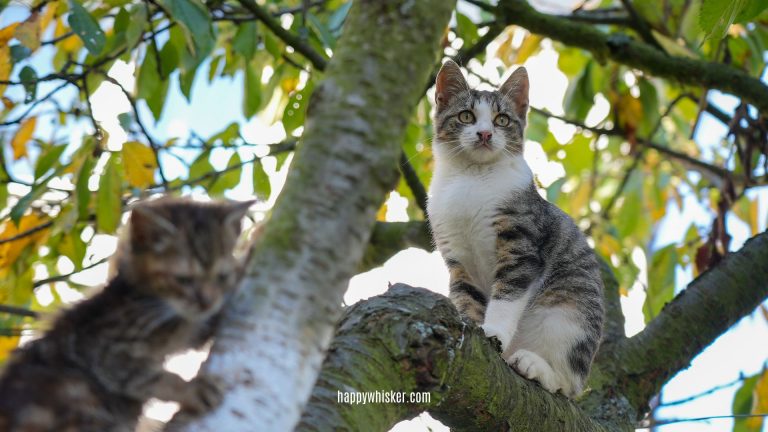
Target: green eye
502 120
466 117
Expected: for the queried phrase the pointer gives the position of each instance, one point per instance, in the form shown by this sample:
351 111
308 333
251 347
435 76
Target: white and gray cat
518 265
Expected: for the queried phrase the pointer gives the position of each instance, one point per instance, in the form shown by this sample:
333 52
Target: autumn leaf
140 164
31 224
22 137
28 32
759 402
527 48
7 344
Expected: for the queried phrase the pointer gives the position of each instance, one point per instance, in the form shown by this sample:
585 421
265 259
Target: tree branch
710 305
623 49
317 59
13 310
410 340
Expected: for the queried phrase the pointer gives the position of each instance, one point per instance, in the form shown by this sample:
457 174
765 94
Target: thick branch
623 49
412 340
389 238
695 318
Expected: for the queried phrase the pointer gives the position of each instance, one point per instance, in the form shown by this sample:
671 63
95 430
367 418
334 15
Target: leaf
227 136
86 27
28 32
529 46
228 179
5 65
48 159
661 281
746 210
28 224
716 16
338 16
108 199
466 29
628 215
201 166
150 86
195 21
322 31
82 191
73 247
252 89
578 155
140 164
246 39
22 137
751 10
759 403
136 25
296 109
28 77
742 404
261 186
580 94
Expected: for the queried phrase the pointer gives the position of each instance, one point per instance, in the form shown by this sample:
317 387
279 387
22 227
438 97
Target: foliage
632 157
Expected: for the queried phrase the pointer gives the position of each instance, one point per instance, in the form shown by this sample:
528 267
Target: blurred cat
103 358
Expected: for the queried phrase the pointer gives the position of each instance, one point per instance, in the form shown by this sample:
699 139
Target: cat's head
479 126
181 251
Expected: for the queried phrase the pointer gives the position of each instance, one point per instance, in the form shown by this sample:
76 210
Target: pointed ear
449 83
234 213
515 89
150 230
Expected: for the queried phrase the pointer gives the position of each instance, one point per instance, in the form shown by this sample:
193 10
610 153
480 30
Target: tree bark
410 339
277 330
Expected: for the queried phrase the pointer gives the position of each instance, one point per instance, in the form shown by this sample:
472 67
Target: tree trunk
276 332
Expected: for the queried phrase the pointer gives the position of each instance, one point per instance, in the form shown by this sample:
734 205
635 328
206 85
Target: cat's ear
150 230
234 213
449 83
515 89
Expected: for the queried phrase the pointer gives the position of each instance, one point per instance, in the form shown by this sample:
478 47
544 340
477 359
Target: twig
697 419
317 59
62 277
27 233
413 182
640 25
620 190
13 310
704 393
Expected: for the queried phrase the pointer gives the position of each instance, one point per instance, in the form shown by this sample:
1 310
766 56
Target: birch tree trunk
272 344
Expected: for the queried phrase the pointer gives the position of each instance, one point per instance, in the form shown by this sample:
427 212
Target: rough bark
623 49
279 326
413 340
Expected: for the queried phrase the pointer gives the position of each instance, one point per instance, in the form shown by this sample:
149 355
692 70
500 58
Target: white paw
501 334
533 367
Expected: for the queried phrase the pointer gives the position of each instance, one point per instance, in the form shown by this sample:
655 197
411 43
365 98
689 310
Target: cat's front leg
200 395
502 316
464 294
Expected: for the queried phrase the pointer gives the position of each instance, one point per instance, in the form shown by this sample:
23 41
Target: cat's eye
466 117
502 120
183 279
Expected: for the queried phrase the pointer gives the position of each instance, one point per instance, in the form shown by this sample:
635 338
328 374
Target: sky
738 352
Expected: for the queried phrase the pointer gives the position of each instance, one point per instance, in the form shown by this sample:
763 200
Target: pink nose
484 136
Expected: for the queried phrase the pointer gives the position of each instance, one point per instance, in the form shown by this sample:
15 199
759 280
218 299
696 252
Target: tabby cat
103 358
518 265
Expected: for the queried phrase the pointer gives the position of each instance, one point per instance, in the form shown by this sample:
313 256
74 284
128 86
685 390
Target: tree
348 83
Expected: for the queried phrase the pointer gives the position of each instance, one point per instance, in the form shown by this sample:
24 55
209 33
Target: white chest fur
462 204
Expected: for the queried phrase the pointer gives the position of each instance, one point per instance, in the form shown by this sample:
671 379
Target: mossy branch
623 49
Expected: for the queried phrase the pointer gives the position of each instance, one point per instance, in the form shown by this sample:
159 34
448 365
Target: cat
103 359
519 266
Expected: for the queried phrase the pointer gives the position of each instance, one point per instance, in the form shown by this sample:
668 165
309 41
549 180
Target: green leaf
86 27
649 99
322 31
296 109
661 281
201 166
46 160
261 186
742 403
578 155
227 136
752 9
228 179
252 89
580 95
716 16
272 44
73 247
136 25
169 60
23 203
82 192
28 78
246 39
108 199
19 52
628 216
150 86
466 29
537 127
195 21
338 16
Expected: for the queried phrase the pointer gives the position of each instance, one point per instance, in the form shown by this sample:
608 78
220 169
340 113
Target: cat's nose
484 136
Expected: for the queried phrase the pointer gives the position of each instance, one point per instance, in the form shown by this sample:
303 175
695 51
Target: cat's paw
503 338
205 394
532 366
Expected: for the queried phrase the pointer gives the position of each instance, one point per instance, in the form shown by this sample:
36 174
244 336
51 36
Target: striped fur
103 358
519 266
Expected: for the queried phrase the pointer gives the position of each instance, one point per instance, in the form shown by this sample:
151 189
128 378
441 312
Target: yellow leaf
7 345
609 245
28 33
10 251
759 402
6 33
5 66
579 199
505 50
629 110
529 46
381 215
22 137
71 44
753 222
140 164
47 16
289 84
